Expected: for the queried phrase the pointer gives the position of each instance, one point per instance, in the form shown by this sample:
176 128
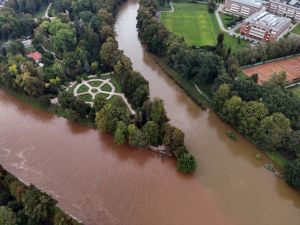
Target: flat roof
268 20
254 3
294 5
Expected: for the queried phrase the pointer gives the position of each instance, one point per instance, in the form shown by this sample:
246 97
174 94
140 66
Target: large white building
281 8
243 8
265 26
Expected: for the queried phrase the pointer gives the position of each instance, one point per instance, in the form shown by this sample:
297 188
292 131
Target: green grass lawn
227 19
277 158
94 83
296 90
86 97
296 30
106 87
82 88
197 26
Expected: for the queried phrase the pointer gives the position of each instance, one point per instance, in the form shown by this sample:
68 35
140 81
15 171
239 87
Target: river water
104 184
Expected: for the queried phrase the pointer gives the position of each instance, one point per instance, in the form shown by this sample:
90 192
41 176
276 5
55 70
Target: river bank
234 172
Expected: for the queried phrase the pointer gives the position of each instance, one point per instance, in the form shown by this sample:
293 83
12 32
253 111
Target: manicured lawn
86 97
82 88
197 26
102 95
94 83
227 19
296 30
106 87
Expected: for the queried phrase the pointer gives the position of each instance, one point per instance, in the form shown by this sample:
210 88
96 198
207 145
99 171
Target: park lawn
197 26
86 97
106 87
94 83
296 90
227 19
296 30
82 88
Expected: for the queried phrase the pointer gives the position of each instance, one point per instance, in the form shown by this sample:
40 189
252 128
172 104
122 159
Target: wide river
103 184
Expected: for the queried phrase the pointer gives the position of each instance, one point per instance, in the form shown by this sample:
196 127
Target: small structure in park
36 57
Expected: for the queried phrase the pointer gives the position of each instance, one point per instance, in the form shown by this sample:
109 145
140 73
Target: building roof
253 3
268 20
292 4
36 56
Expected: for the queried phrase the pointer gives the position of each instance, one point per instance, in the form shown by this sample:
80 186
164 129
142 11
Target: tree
220 96
212 6
109 53
108 117
7 216
66 99
37 204
99 102
136 138
271 131
292 173
120 133
152 133
173 138
231 110
186 163
250 116
292 142
158 113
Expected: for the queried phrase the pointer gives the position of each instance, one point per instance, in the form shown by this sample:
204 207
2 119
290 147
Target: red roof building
36 56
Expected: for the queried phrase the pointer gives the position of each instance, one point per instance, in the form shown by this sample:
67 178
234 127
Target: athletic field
291 66
197 26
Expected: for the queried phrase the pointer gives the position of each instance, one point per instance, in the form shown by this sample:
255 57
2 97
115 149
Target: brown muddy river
103 184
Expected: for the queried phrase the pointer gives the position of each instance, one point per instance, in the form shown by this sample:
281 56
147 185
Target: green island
267 114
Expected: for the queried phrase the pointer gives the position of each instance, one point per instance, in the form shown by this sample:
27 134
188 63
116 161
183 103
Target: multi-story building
265 26
281 8
243 8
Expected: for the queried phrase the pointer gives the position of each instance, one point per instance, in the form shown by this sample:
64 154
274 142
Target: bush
186 163
292 173
44 100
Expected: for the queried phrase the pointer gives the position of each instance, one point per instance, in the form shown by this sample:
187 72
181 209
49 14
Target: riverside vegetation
79 42
21 204
269 115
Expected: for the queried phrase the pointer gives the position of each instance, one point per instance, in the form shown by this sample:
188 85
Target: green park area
296 30
197 26
227 20
296 90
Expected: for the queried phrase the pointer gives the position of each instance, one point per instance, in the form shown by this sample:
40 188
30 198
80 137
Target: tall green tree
7 216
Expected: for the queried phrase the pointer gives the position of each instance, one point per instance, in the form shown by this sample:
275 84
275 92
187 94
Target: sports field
291 66
197 26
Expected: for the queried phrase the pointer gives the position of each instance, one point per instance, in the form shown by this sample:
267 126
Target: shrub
44 100
186 163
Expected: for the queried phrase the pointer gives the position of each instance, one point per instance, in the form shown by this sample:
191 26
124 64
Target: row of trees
268 51
271 130
193 63
268 114
27 6
13 26
21 204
